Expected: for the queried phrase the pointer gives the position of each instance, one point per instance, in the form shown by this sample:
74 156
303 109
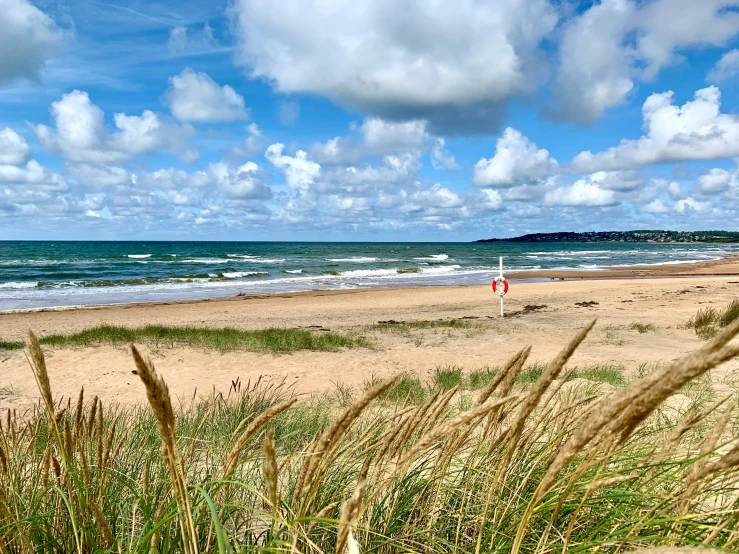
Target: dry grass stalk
79 412
157 393
623 410
457 422
351 509
489 389
270 469
36 358
334 433
260 421
497 416
541 385
436 413
691 419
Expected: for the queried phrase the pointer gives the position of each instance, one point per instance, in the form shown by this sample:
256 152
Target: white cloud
183 41
726 68
379 137
99 176
441 158
14 149
690 205
426 60
517 161
29 38
195 97
34 175
580 193
695 131
717 180
244 182
656 206
615 43
81 135
301 172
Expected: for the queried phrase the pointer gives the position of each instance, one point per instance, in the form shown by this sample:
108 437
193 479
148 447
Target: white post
501 296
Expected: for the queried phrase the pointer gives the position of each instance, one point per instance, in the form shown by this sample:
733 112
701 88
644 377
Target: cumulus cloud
28 40
301 172
517 161
244 182
690 205
81 135
14 149
195 97
614 44
379 137
726 68
395 63
696 130
99 176
33 175
581 193
717 181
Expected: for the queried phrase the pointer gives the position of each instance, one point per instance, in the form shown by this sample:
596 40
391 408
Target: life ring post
500 286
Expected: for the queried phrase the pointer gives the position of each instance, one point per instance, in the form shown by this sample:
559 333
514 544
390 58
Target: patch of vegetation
643 327
531 373
448 377
611 374
223 340
403 327
707 322
479 378
408 388
256 471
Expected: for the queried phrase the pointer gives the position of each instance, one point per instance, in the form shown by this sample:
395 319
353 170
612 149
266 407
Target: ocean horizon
48 274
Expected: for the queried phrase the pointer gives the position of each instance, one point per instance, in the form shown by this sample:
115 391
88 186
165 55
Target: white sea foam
356 260
139 256
434 258
205 261
294 271
19 285
240 274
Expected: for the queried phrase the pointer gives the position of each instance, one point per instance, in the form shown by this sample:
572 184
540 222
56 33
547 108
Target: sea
49 274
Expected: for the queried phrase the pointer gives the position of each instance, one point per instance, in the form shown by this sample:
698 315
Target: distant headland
627 236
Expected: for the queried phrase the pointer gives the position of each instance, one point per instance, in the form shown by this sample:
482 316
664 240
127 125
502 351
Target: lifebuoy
500 282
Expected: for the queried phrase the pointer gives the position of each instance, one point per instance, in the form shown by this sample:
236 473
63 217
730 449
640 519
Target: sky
366 120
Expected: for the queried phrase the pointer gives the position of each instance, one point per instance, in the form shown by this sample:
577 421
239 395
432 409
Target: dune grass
255 471
707 322
643 327
223 340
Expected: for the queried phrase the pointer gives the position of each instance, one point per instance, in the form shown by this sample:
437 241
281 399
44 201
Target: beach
545 314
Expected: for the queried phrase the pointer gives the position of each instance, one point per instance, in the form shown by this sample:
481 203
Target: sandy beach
544 314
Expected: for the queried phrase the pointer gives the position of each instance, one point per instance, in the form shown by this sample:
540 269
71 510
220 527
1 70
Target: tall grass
522 468
223 340
709 321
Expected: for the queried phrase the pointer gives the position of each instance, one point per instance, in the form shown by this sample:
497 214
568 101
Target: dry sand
552 317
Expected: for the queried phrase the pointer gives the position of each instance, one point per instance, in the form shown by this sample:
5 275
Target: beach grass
225 339
643 327
707 322
509 470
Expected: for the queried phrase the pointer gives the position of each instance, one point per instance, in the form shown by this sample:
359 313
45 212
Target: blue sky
366 119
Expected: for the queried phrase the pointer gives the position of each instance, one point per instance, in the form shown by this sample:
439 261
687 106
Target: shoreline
723 267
